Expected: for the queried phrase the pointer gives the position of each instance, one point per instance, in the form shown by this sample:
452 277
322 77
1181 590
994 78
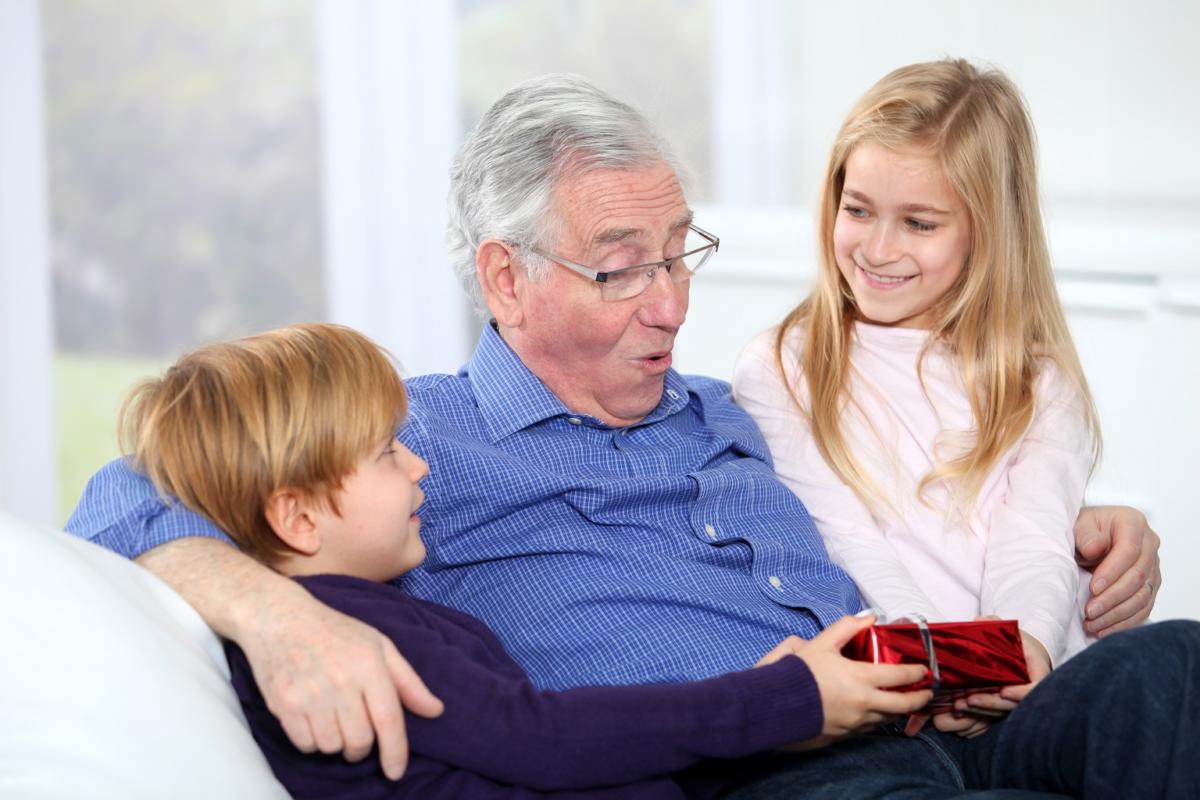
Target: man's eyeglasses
627 282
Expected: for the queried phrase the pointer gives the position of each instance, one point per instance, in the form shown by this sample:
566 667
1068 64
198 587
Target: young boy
286 441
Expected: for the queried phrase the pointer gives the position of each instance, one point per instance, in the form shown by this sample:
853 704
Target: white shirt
1013 556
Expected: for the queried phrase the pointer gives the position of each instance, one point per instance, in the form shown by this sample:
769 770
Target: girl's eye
921 227
854 211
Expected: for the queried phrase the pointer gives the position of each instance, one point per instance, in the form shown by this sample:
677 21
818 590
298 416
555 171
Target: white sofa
111 686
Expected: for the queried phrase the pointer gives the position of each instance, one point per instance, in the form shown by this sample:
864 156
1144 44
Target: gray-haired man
610 519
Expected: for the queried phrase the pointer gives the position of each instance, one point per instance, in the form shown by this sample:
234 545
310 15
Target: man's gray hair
503 180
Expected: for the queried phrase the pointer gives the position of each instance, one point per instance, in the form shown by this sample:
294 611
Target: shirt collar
511 398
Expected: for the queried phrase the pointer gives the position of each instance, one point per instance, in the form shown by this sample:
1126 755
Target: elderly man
612 521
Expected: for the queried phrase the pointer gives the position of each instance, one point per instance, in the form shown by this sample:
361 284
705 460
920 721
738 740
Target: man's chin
642 400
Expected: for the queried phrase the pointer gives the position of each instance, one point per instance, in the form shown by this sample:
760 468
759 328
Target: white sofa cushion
110 683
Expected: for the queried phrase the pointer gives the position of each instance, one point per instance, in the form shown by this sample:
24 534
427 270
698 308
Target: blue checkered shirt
663 551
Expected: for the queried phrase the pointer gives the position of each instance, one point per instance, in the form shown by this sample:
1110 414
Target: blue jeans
1120 720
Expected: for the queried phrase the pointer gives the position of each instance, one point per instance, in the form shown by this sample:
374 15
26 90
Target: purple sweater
500 737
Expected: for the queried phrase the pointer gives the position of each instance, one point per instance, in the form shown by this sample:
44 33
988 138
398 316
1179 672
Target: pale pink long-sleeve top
1011 555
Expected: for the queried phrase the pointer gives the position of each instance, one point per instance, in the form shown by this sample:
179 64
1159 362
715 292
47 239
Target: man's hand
854 694
336 684
1119 545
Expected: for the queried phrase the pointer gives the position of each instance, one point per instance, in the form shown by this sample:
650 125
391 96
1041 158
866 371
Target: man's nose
664 303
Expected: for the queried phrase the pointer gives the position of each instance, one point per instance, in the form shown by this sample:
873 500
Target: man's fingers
357 734
1130 614
326 732
414 694
1131 594
1090 543
1125 624
383 706
1123 556
299 732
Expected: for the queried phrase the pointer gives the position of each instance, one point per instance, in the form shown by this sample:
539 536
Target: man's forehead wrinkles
609 226
605 215
604 207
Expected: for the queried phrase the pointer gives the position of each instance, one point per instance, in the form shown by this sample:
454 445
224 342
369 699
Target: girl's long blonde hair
1000 319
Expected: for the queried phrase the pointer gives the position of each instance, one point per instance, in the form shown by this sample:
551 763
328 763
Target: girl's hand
854 694
966 724
1038 661
973 714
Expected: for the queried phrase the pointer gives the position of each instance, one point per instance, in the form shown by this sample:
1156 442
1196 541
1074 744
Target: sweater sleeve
855 540
498 725
1029 569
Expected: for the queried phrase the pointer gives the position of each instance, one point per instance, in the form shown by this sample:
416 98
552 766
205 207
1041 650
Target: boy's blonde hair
232 423
1002 316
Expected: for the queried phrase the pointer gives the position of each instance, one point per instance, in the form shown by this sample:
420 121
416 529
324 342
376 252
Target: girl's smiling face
902 235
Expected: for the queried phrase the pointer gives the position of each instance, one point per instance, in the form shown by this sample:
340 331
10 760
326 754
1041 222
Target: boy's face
377 535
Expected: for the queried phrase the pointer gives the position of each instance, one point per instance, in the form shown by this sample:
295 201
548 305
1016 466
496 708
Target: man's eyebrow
614 235
911 208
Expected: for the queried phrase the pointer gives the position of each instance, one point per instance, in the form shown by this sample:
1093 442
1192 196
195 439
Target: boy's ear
498 274
293 517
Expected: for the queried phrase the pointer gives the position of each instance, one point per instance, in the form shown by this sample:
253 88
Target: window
184 189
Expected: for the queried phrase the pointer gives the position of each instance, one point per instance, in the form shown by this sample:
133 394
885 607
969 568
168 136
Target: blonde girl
926 401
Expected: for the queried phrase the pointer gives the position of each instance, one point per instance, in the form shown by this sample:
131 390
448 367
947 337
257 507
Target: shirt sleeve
1029 571
122 511
497 725
853 537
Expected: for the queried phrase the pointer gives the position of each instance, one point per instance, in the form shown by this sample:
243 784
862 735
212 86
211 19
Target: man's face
606 359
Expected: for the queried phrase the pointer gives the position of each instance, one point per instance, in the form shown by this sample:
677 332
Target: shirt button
575 420
774 581
711 531
671 393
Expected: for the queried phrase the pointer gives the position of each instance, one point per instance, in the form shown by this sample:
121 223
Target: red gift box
960 657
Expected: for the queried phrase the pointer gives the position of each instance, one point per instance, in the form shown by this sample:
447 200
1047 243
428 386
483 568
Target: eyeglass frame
714 244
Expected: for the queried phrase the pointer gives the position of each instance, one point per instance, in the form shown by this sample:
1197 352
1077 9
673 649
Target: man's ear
293 517
498 274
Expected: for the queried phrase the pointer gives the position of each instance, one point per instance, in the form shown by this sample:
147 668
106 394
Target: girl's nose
881 246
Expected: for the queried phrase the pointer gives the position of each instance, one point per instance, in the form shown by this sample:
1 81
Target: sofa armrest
110 683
